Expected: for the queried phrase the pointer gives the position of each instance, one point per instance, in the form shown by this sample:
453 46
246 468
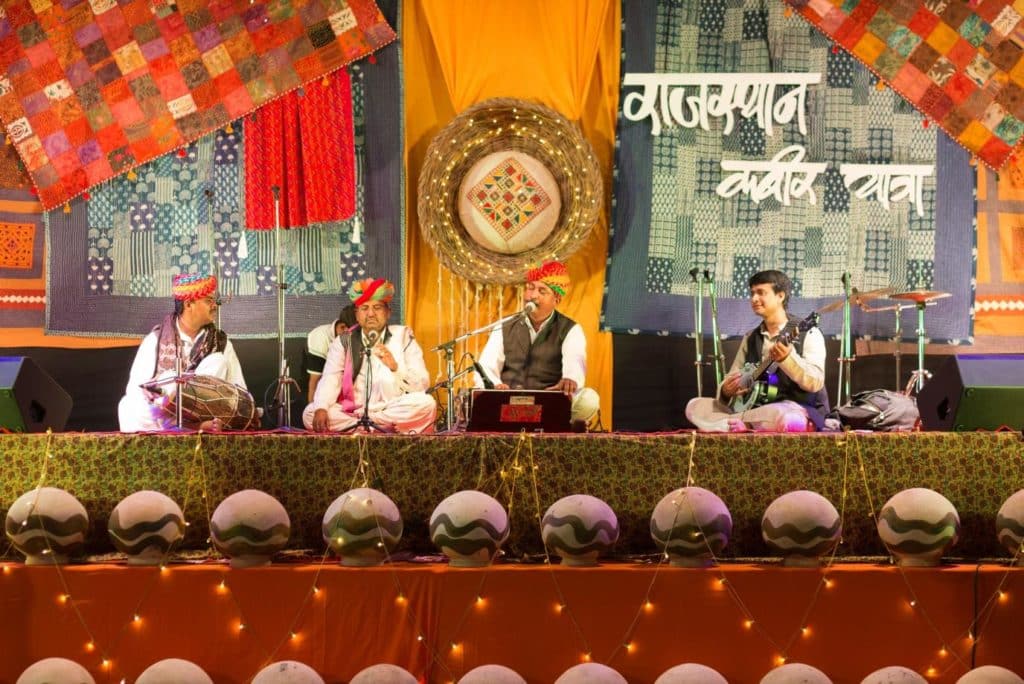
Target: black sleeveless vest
537 365
815 402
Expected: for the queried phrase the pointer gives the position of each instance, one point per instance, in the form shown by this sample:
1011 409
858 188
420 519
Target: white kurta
397 398
136 412
585 401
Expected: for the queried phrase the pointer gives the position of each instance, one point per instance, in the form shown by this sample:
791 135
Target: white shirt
386 385
145 360
806 370
318 341
574 353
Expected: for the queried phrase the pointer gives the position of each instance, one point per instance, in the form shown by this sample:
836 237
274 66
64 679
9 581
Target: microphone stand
698 330
846 357
449 355
283 394
716 344
364 420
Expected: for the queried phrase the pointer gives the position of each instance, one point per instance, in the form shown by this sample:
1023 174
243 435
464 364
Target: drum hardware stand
449 355
284 383
922 299
364 420
698 330
846 356
718 360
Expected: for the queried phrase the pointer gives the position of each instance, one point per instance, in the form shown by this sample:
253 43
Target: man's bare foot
214 425
737 425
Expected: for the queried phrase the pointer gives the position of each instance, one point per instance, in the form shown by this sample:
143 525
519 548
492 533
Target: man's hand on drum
320 420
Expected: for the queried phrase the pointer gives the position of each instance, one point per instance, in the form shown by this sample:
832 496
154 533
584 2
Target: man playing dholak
544 349
398 376
800 404
204 350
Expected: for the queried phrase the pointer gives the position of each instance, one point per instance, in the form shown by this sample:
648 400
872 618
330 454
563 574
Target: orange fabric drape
562 54
999 314
863 620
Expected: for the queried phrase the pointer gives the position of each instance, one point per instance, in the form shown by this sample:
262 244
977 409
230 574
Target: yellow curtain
563 54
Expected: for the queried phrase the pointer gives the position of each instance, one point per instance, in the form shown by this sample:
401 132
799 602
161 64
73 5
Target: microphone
371 340
480 371
530 307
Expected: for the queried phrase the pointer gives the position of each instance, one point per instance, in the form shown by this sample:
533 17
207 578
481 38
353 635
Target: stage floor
976 471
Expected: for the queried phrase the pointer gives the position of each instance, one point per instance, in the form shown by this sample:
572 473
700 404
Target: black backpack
881 410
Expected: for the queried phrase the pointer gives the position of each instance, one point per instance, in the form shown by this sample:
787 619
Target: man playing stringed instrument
777 381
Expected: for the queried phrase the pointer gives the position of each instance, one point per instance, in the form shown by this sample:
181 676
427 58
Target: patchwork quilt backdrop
112 256
670 215
92 88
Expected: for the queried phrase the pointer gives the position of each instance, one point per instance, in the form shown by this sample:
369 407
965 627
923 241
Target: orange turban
554 274
189 287
371 290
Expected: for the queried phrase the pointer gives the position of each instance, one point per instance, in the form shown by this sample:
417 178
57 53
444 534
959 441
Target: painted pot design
579 528
362 526
146 525
802 526
249 527
48 525
469 527
917 526
691 525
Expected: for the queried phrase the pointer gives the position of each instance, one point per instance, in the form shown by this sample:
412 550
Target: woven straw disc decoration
506 185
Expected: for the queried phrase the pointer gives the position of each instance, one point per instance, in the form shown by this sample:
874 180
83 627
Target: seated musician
204 350
543 350
398 376
319 341
800 404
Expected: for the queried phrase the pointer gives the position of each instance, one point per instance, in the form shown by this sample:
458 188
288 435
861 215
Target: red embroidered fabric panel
303 143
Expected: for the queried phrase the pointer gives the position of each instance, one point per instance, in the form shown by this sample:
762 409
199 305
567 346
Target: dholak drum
205 397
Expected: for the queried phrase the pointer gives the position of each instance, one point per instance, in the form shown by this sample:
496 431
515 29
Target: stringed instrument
763 384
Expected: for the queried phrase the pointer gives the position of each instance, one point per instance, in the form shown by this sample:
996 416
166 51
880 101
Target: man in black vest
543 350
796 368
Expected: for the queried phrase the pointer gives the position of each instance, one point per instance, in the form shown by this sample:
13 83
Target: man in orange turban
373 357
543 350
188 332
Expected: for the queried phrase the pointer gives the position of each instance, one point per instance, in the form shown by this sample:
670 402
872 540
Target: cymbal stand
698 329
718 360
449 363
846 357
918 377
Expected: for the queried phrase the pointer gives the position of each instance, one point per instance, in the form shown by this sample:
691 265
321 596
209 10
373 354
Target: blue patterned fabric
668 219
112 257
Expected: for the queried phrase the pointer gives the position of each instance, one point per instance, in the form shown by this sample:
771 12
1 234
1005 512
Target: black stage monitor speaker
30 400
974 391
